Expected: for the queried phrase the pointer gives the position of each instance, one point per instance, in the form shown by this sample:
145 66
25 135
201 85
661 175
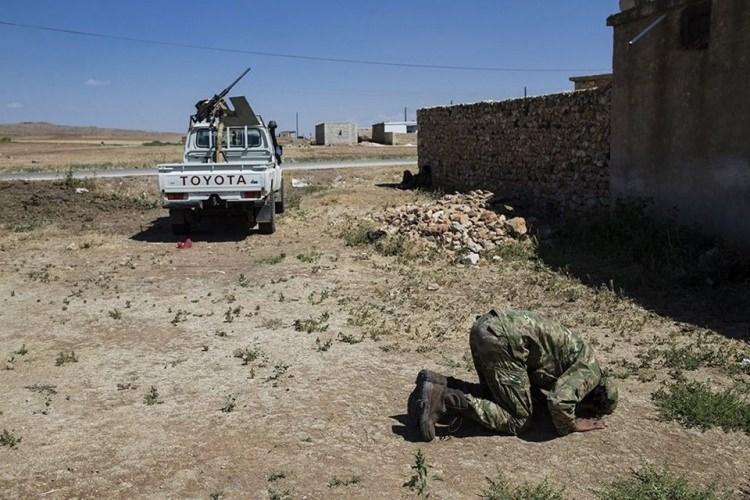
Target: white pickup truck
247 184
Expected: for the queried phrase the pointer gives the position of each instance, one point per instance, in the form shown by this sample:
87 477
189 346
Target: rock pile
459 223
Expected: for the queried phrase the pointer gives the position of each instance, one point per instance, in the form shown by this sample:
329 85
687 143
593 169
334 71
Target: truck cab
246 182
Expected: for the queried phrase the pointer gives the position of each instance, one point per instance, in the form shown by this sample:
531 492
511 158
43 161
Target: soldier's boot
456 404
431 376
422 377
440 404
478 390
429 407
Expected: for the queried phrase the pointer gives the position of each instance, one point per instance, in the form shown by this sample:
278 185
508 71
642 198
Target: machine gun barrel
226 90
204 109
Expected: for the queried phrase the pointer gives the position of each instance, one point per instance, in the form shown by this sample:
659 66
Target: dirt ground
334 336
61 152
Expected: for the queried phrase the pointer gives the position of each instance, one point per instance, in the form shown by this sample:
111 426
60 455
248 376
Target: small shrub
66 357
278 371
271 324
320 299
418 481
323 346
694 404
72 182
309 257
273 260
151 397
312 325
143 202
500 488
7 438
274 494
355 234
179 317
275 476
350 339
516 250
22 351
393 246
652 484
115 314
231 314
5 140
229 404
293 197
334 482
248 354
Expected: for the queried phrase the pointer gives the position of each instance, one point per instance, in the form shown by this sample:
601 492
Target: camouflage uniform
515 351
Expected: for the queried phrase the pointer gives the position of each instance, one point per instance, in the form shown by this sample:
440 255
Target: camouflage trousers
504 403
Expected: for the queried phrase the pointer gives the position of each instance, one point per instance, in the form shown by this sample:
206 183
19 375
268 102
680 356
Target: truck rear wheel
268 227
179 221
180 229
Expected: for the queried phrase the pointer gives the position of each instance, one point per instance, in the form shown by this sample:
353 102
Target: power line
297 56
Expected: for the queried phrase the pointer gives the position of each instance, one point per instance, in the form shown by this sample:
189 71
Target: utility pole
405 114
296 124
524 92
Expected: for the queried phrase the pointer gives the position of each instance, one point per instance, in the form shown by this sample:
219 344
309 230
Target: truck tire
268 227
180 229
280 202
178 219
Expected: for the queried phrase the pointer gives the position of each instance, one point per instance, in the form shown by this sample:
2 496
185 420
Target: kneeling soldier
516 353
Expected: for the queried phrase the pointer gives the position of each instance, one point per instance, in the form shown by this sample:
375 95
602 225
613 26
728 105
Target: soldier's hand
589 424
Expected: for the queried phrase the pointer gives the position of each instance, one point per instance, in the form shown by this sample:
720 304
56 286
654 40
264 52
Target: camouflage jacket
519 350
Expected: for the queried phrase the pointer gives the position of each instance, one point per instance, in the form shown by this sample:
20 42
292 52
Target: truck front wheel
280 201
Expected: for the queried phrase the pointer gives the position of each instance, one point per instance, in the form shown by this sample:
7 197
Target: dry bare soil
279 366
41 146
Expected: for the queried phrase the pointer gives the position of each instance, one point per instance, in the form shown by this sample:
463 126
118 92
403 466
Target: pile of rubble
458 223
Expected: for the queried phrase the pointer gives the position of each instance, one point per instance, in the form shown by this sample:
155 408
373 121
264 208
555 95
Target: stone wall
550 151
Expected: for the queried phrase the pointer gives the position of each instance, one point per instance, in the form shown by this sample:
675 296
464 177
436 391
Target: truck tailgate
214 177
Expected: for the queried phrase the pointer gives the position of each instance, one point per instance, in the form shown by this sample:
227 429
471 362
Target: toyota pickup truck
231 168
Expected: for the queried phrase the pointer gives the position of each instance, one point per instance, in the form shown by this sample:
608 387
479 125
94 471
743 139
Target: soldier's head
602 400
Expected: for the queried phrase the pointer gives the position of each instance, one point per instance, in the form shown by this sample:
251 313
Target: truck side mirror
279 151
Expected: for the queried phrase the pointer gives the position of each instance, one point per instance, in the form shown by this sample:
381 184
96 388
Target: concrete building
286 135
681 112
389 132
591 81
331 133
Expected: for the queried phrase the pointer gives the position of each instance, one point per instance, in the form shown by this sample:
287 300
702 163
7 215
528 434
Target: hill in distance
51 130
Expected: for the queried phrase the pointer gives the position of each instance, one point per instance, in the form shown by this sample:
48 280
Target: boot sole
430 376
426 424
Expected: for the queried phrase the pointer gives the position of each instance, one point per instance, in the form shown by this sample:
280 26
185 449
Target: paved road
133 172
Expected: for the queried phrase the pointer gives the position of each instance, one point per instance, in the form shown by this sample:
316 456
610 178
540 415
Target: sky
76 80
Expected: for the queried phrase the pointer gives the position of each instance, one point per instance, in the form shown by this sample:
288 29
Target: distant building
591 81
286 135
331 133
391 132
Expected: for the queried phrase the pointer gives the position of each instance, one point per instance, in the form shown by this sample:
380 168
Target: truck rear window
236 139
254 139
202 138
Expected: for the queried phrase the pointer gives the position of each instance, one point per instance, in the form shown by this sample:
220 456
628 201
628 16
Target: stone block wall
551 151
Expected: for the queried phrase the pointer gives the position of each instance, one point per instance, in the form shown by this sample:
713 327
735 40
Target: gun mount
208 110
